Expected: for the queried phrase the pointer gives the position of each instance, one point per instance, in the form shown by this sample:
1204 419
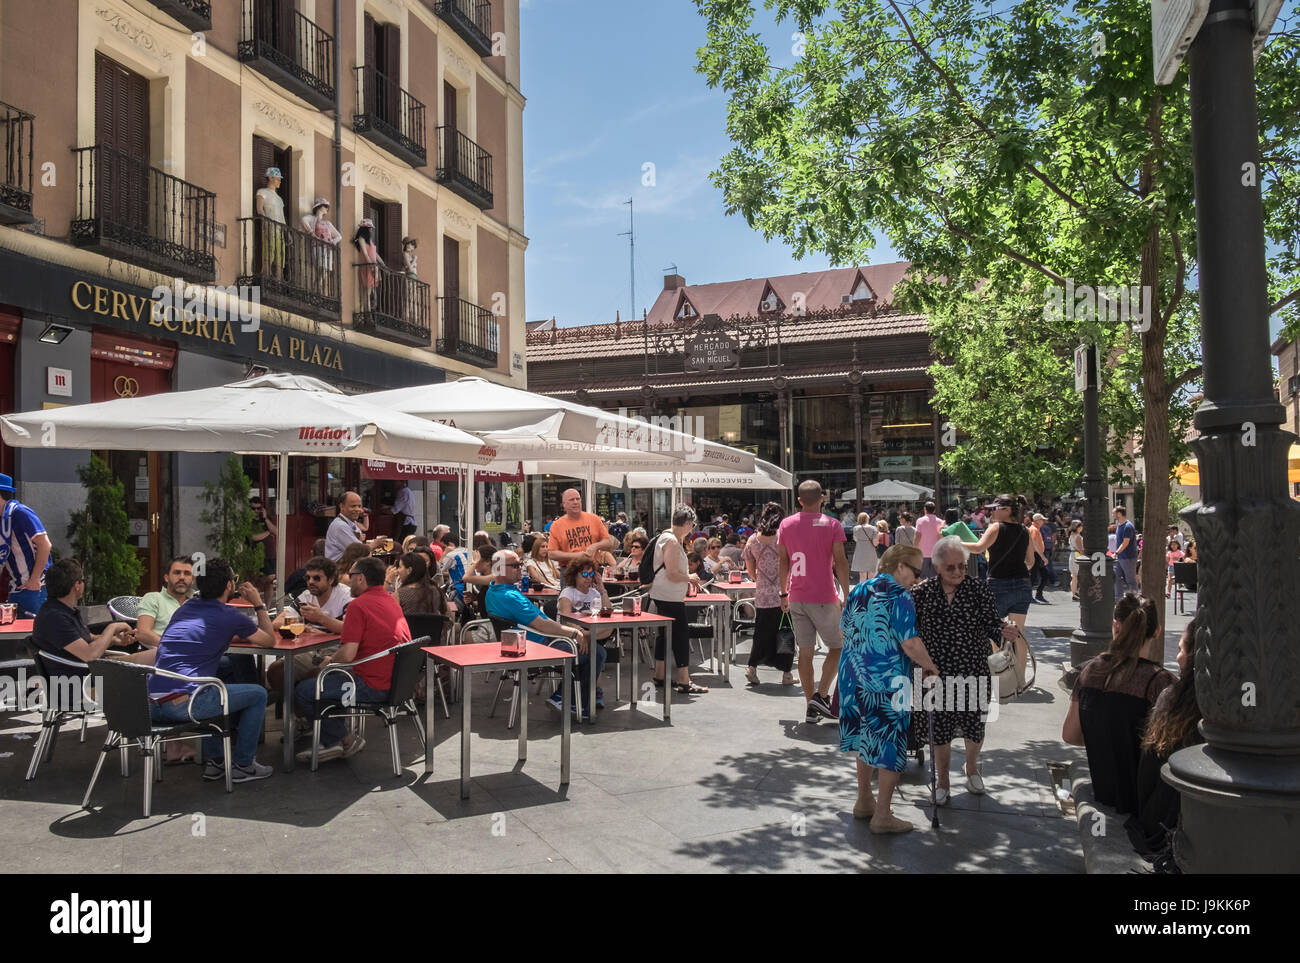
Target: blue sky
611 86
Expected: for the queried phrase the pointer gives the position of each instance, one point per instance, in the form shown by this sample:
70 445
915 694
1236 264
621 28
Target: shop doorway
128 368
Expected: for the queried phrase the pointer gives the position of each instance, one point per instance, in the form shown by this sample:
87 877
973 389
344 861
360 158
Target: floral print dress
875 674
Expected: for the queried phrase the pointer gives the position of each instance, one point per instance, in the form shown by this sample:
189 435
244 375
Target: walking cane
934 792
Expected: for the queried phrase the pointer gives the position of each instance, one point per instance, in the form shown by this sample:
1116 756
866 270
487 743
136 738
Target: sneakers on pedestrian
357 745
325 755
254 770
214 769
821 705
556 702
751 676
812 717
600 698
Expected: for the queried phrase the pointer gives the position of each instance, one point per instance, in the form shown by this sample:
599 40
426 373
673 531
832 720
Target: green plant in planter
101 535
231 520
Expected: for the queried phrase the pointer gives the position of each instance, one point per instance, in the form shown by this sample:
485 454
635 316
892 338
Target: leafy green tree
231 519
1004 153
101 535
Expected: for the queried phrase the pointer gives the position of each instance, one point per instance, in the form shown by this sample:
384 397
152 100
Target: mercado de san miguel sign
195 319
711 348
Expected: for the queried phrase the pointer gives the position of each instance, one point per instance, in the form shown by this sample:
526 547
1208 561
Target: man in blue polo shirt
197 636
504 600
24 551
1126 553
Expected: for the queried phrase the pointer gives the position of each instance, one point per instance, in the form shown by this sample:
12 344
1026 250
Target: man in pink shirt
811 550
928 528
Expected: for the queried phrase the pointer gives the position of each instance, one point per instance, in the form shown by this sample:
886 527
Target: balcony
467 332
195 14
471 19
129 210
390 117
464 167
391 304
292 269
16 177
283 45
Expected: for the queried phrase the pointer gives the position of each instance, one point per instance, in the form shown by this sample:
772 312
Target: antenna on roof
671 267
630 233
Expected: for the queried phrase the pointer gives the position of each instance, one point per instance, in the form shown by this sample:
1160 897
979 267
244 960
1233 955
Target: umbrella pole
281 519
590 485
468 539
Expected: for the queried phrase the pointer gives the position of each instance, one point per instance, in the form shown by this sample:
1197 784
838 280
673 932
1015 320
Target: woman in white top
714 563
669 596
864 550
1076 549
583 593
541 570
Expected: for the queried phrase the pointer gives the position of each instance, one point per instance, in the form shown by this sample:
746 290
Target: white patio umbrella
276 414
574 439
887 491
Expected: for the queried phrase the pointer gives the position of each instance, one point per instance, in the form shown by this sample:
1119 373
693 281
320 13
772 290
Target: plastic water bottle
524 583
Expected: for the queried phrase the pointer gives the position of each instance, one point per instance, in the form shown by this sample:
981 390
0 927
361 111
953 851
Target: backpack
646 571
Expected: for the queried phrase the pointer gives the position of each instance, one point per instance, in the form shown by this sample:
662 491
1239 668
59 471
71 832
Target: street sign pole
1241 789
1096 585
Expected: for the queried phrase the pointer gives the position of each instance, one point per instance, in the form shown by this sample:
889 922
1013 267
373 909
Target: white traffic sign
1082 375
1173 28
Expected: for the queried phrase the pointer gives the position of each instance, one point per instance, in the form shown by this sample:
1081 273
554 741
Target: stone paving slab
737 783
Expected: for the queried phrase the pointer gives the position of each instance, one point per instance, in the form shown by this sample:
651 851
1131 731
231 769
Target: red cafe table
717 602
619 621
17 627
285 650
480 655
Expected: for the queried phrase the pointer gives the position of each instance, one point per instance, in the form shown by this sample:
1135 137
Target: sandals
751 676
689 688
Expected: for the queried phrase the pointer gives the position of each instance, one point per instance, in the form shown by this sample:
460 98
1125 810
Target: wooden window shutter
393 53
263 157
369 33
105 82
368 80
391 245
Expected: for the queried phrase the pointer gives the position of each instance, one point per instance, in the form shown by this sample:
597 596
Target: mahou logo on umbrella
326 437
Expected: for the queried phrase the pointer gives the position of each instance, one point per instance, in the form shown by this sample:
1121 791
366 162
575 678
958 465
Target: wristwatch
256 607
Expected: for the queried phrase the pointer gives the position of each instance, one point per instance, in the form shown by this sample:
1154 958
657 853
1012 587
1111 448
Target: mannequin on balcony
318 225
270 208
364 242
409 259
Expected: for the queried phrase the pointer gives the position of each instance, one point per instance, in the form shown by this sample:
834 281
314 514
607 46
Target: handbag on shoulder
1005 666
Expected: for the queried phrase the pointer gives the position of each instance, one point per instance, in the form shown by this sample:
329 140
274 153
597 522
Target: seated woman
880 645
630 564
1111 701
1173 725
714 564
583 593
415 593
540 569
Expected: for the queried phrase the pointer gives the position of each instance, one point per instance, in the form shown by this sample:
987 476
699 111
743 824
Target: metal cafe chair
124 608
539 675
54 715
431 625
1184 582
125 699
408 659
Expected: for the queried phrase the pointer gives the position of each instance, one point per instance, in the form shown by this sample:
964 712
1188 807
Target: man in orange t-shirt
578 534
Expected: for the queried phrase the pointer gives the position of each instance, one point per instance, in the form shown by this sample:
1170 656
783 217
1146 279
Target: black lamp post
1096 586
1241 789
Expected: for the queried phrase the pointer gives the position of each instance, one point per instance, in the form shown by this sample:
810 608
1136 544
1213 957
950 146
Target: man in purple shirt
811 550
928 532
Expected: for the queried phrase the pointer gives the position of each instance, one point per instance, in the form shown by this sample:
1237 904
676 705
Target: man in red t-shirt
373 622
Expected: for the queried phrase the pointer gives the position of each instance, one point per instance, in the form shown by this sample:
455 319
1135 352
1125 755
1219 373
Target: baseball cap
6 484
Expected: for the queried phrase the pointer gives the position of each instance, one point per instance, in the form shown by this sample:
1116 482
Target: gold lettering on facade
80 284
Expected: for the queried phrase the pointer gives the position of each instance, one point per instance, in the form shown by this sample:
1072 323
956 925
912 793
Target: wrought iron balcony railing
292 269
472 19
467 332
143 215
281 43
195 14
389 116
465 167
16 176
391 304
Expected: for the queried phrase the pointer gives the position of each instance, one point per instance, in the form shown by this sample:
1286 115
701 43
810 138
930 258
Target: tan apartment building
1288 369
137 140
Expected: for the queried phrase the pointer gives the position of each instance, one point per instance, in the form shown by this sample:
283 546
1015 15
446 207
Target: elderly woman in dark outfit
956 618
